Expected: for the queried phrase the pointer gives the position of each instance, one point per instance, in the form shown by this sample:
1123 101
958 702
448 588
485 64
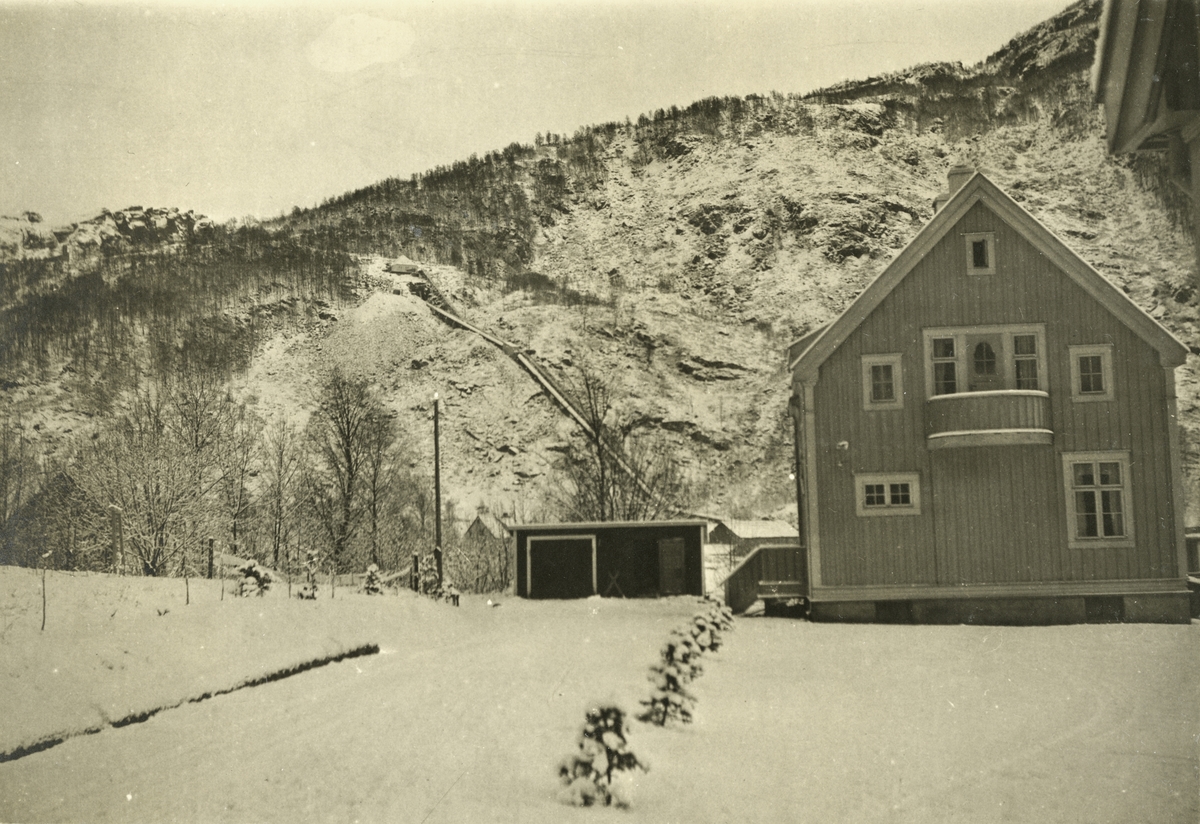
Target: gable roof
494 526
796 347
745 529
979 189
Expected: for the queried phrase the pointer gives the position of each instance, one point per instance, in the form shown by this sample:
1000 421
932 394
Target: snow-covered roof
603 525
760 528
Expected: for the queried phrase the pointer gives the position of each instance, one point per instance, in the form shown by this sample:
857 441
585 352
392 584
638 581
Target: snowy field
465 713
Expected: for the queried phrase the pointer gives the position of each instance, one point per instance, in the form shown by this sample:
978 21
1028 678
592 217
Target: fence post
416 573
210 559
117 539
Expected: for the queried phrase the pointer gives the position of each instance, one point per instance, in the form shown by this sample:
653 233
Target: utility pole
437 491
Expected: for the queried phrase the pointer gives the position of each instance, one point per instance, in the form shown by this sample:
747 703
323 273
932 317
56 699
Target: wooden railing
773 565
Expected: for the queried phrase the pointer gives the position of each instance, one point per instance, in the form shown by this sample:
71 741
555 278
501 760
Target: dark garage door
560 567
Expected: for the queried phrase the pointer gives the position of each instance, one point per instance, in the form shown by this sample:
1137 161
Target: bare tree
139 466
281 460
379 478
237 453
613 475
17 467
341 435
593 467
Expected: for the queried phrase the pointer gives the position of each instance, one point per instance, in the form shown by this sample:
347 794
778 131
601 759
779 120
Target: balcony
1007 417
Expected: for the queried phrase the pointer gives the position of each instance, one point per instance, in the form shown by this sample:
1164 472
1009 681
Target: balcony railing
1008 416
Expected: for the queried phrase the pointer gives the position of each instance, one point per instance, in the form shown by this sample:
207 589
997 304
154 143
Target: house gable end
980 190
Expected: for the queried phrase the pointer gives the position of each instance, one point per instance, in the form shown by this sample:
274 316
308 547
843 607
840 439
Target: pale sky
238 109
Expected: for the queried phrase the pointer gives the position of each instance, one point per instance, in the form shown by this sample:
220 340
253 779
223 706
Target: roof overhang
593 525
1138 39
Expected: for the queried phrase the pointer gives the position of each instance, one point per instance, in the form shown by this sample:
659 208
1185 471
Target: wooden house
988 434
627 559
485 528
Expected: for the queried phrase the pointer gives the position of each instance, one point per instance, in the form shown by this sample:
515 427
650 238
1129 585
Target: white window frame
893 360
962 357
971 238
1074 540
1104 351
861 481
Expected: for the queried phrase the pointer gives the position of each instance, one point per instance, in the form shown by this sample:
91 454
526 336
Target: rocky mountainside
680 253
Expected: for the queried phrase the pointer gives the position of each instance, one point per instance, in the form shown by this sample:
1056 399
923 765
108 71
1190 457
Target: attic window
981 253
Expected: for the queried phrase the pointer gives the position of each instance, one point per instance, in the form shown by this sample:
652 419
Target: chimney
956 177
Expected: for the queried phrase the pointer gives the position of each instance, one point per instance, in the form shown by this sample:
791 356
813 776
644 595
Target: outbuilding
630 559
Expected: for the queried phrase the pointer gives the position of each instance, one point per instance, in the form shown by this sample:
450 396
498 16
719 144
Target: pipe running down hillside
548 384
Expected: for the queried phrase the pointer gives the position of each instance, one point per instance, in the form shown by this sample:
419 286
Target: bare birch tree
342 435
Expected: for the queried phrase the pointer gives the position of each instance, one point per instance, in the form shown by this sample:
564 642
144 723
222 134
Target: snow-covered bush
447 593
668 700
373 583
721 615
708 638
308 592
682 650
255 579
598 774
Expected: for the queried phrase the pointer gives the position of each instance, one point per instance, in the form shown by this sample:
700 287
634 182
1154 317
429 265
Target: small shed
402 266
630 559
744 535
485 528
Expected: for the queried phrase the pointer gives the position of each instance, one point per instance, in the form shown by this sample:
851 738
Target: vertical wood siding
989 514
770 563
955 413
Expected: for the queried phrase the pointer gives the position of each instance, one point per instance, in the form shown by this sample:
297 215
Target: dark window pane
985 359
1084 474
944 382
979 254
1110 474
1025 344
900 495
1085 514
943 347
1114 520
1027 374
882 387
1091 374
874 495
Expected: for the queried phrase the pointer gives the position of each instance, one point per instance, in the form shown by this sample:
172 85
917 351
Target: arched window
985 359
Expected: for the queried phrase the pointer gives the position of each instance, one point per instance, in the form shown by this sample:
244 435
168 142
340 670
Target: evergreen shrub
255 579
599 773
